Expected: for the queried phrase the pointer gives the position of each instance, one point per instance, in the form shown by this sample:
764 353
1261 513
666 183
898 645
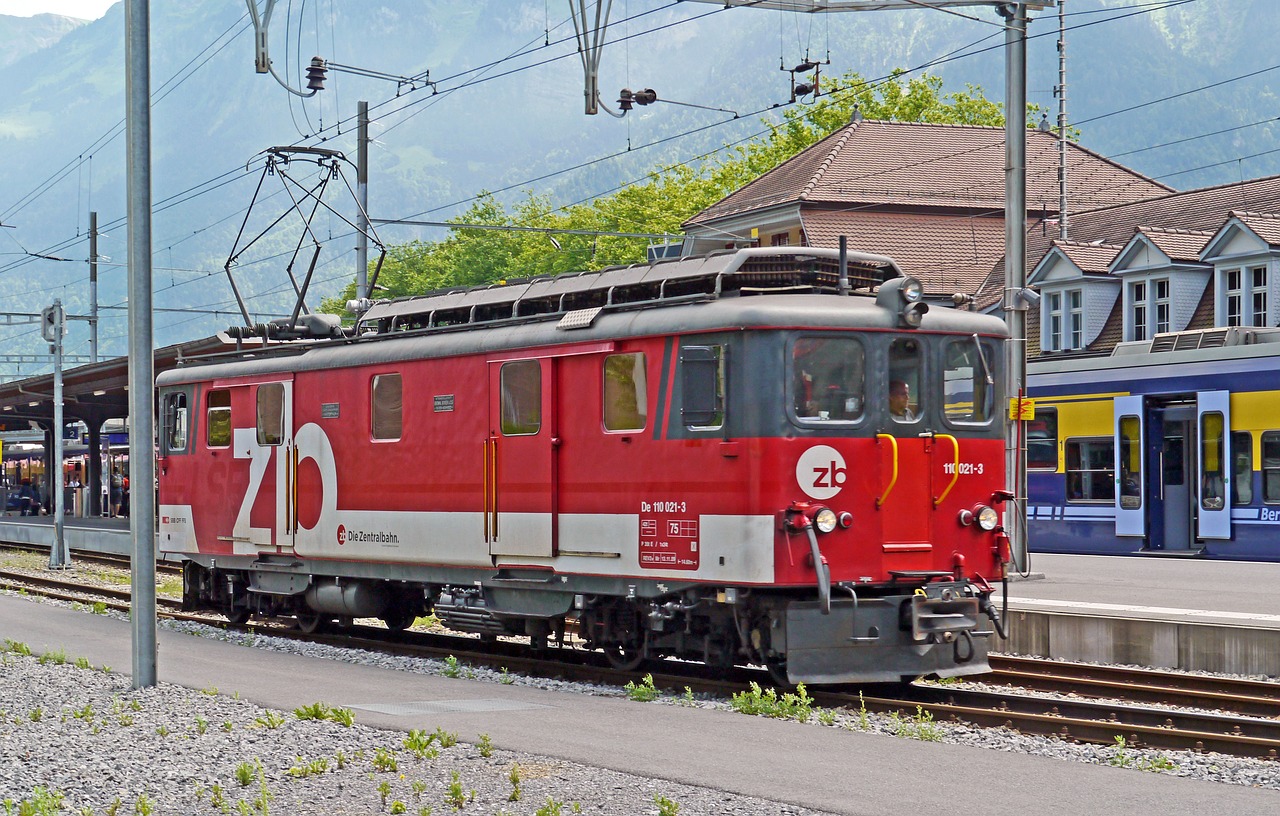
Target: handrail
894 480
955 466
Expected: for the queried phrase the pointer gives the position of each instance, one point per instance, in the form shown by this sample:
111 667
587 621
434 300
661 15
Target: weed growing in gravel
202 725
43 802
1123 759
385 761
455 796
666 807
486 746
551 808
384 790
17 647
302 769
270 720
323 711
506 679
98 608
163 731
826 716
244 774
452 667
135 705
797 705
144 806
57 657
419 743
125 720
418 787
514 776
85 713
212 691
398 807
35 714
642 692
227 726
447 739
921 726
687 699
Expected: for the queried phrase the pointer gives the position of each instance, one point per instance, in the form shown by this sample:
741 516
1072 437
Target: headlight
911 290
825 520
987 518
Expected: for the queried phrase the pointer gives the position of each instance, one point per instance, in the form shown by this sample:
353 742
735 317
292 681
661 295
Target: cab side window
968 382
270 414
702 386
828 378
906 367
218 419
521 398
175 422
387 408
626 401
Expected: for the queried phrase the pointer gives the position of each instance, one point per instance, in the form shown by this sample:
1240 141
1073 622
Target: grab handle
893 480
955 466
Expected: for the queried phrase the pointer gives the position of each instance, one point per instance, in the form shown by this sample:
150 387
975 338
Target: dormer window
1244 296
1150 309
1065 314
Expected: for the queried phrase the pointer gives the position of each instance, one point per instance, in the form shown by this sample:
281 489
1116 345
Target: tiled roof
1092 259
1266 225
1178 244
1200 210
948 254
919 164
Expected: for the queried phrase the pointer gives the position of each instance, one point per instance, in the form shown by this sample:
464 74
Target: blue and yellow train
1169 447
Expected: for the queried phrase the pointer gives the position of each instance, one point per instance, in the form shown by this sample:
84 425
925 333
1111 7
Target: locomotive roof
746 301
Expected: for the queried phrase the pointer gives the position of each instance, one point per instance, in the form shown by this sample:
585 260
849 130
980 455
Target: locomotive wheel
777 668
624 658
311 622
397 620
238 616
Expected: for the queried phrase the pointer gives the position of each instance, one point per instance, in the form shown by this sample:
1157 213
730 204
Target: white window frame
1162 306
1075 307
1062 318
1139 310
1054 309
1245 294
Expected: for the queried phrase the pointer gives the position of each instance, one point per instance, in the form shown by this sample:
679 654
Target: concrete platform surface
822 768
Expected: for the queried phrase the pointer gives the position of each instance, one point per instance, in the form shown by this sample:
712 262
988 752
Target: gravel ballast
86 735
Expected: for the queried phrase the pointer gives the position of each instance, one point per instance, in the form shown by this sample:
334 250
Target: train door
1130 419
519 458
1174 469
267 514
1213 423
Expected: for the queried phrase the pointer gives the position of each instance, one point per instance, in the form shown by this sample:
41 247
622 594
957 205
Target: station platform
826 769
1182 613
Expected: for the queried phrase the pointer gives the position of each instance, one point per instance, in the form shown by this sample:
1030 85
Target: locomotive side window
387 408
270 414
968 383
1042 440
1242 467
905 398
1090 470
702 384
1271 467
175 422
218 424
521 398
828 376
626 401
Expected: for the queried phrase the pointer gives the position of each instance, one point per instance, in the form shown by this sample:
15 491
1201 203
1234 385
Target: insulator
315 74
803 68
624 99
803 88
646 97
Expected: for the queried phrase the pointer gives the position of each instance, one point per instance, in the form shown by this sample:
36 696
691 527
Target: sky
84 9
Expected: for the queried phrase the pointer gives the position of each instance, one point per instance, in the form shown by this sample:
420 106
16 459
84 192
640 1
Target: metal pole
1062 120
1015 266
93 287
59 555
362 195
142 463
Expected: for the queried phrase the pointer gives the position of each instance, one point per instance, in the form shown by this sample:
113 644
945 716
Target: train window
1242 468
1042 440
1130 462
1213 461
626 401
521 398
175 422
906 398
1271 467
828 376
386 414
968 382
218 424
702 384
270 414
1090 467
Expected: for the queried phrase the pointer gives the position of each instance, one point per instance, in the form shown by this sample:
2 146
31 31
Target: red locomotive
696 458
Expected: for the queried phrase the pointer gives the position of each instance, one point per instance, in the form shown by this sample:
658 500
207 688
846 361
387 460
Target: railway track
1148 709
90 557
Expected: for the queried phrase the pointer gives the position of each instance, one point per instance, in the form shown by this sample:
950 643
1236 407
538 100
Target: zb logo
821 472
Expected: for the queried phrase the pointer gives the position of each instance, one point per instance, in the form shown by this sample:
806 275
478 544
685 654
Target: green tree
660 204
